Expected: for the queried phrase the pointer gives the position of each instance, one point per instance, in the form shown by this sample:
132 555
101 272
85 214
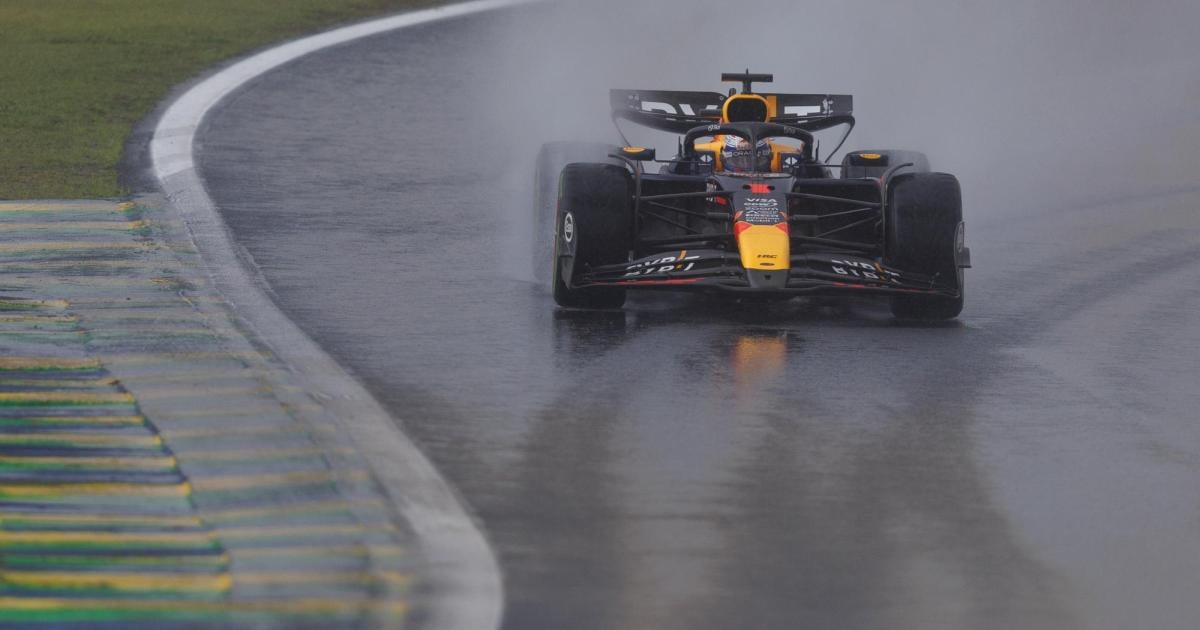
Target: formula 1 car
778 224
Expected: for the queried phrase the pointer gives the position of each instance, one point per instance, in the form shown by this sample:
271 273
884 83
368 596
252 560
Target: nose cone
767 280
764 247
761 228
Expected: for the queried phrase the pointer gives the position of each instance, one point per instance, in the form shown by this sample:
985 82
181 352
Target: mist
685 463
1035 106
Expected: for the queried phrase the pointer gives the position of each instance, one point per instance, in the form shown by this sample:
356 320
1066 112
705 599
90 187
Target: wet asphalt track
690 464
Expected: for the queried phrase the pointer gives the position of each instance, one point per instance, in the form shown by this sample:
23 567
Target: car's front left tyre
923 225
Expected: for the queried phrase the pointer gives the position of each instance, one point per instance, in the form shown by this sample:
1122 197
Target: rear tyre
593 228
924 216
856 165
551 159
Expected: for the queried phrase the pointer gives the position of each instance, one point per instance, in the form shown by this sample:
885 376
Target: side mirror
637 154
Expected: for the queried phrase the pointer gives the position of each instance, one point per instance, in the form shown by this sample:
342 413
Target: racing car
748 207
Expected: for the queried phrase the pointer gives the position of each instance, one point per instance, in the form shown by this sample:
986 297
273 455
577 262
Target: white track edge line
467 591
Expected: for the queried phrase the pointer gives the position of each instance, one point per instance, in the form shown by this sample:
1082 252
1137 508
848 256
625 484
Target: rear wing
679 112
673 112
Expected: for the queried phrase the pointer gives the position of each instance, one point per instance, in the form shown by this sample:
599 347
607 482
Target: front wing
809 274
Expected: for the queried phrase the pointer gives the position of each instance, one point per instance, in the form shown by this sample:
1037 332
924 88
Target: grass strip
78 75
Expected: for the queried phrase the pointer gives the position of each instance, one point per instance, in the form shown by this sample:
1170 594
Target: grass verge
76 75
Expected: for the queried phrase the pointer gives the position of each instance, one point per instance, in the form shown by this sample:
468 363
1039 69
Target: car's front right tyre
593 228
551 159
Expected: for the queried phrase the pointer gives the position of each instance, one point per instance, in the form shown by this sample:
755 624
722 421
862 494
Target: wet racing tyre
876 162
551 159
593 228
924 216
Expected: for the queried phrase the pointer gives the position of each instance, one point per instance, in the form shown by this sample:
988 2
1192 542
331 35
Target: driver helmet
737 157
